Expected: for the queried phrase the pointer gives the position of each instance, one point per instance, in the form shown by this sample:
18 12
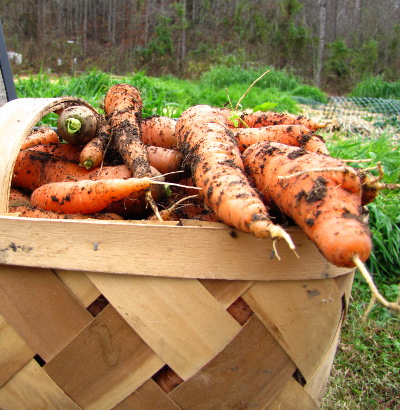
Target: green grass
367 365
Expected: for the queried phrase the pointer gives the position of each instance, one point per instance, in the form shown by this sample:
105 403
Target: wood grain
36 303
177 318
210 252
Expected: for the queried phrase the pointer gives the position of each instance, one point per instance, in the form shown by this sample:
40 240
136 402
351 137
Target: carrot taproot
123 107
212 152
86 196
294 135
65 151
42 135
165 160
325 204
92 154
158 131
262 119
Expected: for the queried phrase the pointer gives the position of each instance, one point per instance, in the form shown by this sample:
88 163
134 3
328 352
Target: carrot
33 212
123 107
212 152
86 196
68 152
325 204
77 124
262 119
92 154
294 135
33 169
164 160
41 135
158 131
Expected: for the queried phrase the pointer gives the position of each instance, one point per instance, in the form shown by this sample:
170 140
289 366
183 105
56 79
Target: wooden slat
344 284
17 118
36 303
302 315
211 253
14 352
293 397
80 285
316 385
32 389
104 364
177 318
226 291
149 396
248 373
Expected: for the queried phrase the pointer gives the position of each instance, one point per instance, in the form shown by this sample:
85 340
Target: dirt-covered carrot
69 152
34 168
92 154
294 135
158 131
212 152
77 124
42 135
123 108
264 119
165 160
86 197
325 203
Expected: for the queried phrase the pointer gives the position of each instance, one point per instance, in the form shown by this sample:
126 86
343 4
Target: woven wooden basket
132 315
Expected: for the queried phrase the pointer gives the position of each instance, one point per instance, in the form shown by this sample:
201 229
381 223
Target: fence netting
378 113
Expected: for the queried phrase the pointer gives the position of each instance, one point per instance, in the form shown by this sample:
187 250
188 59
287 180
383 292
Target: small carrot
87 196
158 131
294 135
263 119
325 204
92 154
165 160
42 135
212 152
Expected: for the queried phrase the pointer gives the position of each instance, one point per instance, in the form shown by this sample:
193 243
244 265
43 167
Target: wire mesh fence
379 112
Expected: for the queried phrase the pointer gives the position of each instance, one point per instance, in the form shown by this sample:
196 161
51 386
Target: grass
366 373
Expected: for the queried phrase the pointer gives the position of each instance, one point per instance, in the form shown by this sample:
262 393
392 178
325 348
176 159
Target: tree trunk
321 44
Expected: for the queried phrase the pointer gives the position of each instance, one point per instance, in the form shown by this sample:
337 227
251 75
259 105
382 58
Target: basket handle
17 119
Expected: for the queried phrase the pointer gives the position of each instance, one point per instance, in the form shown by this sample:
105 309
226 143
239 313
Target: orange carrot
263 119
86 196
41 135
123 106
164 160
323 198
33 169
212 152
33 212
68 152
92 154
294 135
158 131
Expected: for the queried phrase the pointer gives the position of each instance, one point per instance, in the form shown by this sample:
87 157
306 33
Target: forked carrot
212 152
325 204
